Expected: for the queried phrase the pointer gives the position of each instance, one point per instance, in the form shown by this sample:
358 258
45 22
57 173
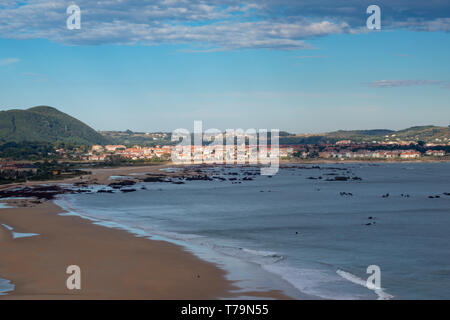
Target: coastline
74 234
114 263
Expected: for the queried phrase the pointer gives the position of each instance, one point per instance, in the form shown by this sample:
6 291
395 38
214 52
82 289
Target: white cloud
403 83
8 61
312 57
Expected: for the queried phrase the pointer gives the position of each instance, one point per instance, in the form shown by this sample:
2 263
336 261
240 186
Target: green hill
424 133
419 133
46 124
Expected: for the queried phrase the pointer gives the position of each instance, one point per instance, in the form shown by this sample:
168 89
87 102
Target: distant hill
130 138
343 134
424 133
46 124
419 133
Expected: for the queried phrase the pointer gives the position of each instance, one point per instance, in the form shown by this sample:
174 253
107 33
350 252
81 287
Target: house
286 152
96 148
325 154
101 157
112 148
410 154
342 142
435 153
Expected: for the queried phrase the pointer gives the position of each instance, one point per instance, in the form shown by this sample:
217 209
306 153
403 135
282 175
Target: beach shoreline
114 263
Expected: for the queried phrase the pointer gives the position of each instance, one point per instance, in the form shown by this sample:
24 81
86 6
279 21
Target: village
118 154
345 149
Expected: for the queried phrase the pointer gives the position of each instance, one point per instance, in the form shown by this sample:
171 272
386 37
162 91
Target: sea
300 231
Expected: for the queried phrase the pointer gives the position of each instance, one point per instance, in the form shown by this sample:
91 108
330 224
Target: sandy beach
114 263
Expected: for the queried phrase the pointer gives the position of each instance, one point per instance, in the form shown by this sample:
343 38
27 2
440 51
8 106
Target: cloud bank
213 25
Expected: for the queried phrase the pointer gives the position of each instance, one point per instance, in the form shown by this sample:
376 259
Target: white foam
118 177
260 252
382 295
8 227
249 255
310 281
5 286
4 205
17 235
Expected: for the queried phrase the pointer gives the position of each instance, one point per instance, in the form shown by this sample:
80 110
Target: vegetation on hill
39 171
46 124
420 133
130 138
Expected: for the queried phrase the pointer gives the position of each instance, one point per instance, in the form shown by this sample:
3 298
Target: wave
382 295
5 286
259 257
260 252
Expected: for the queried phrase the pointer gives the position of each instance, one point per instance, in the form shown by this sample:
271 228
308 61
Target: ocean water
301 235
5 286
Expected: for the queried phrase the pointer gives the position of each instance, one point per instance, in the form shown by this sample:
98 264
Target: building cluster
341 150
347 149
367 154
101 153
15 166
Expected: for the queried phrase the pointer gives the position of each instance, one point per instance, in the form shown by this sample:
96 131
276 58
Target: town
340 150
344 149
59 161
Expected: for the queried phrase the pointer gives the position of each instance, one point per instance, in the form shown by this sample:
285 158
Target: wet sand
114 263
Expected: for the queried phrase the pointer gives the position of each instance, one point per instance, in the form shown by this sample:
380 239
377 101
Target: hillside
359 134
144 139
424 133
427 134
46 124
420 133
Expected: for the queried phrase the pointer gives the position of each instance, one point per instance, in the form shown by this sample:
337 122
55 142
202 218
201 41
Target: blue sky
160 65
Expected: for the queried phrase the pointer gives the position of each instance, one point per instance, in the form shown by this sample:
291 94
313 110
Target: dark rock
199 177
105 191
122 183
153 179
40 192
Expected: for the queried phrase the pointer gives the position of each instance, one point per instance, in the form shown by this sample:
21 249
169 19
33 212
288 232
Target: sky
300 66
